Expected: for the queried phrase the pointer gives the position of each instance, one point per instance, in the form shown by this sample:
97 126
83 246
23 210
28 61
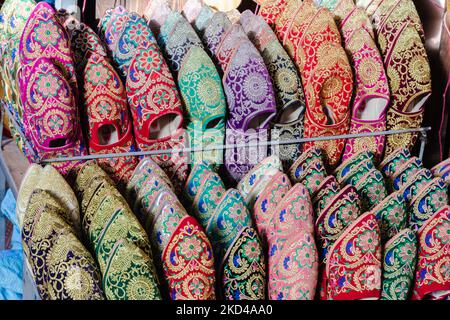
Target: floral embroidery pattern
293 256
371 189
230 217
353 267
430 199
391 215
312 39
244 275
433 273
188 263
55 255
105 103
268 200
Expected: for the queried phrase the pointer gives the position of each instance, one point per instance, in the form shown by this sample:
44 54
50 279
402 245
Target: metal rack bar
421 131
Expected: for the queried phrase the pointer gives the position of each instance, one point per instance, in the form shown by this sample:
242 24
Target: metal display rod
421 131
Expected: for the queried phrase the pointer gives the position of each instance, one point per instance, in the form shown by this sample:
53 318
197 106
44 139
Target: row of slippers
266 221
366 249
396 30
124 47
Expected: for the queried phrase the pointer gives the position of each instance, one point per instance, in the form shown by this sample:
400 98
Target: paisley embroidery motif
210 192
392 215
392 162
415 184
371 189
135 33
275 190
128 276
353 268
194 182
112 24
230 217
342 210
430 199
399 264
432 275
405 172
244 275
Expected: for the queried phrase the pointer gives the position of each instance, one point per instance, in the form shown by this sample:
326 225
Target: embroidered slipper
203 96
45 233
371 189
119 280
267 202
188 263
392 162
399 265
230 217
353 268
328 86
44 37
428 200
342 210
372 90
51 118
392 215
411 90
293 267
243 271
110 124
325 192
432 278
